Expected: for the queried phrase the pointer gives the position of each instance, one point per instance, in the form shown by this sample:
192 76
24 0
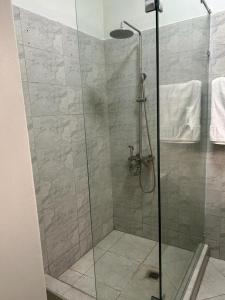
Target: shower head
124 33
121 33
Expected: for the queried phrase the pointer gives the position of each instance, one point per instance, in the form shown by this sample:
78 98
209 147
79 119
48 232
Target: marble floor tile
85 263
106 292
171 254
140 286
73 294
175 271
55 285
120 268
110 240
70 277
219 265
114 270
152 260
133 247
213 283
87 285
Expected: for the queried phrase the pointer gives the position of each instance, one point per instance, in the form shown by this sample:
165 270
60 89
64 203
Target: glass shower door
183 71
118 66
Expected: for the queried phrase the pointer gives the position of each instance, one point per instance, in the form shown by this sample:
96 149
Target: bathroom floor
213 283
122 266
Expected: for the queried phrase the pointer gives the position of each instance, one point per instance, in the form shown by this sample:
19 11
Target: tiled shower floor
122 265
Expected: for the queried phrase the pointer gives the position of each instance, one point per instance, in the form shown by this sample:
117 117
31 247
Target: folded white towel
180 112
217 127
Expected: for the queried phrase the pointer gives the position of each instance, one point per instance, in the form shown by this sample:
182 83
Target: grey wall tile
50 69
17 24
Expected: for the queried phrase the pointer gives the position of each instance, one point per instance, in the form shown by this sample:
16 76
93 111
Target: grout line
73 287
212 297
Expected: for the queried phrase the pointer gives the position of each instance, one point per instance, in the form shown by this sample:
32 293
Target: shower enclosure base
201 261
122 266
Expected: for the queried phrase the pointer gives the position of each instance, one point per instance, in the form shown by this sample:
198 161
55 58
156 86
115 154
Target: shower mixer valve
136 160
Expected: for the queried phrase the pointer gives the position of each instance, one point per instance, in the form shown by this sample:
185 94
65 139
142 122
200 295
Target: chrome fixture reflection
139 161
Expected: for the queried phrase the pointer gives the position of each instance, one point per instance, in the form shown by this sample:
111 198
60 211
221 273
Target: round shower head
121 33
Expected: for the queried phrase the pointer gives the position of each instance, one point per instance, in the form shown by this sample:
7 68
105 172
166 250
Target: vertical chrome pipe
140 95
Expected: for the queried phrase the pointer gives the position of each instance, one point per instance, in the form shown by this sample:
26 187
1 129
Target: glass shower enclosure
116 105
183 80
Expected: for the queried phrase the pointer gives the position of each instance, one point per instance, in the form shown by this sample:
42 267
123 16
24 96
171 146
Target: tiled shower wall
183 57
134 211
215 199
95 99
53 82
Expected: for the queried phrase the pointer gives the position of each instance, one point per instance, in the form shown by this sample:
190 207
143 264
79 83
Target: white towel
180 112
217 127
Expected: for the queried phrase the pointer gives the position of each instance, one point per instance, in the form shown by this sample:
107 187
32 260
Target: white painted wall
62 11
134 12
99 17
22 275
216 5
90 17
90 13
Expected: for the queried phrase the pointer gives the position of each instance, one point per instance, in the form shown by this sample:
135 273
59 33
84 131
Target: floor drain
153 275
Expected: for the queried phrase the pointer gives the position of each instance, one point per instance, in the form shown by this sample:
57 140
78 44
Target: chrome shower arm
131 26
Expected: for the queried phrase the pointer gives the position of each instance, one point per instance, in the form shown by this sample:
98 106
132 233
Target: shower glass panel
118 69
183 71
49 59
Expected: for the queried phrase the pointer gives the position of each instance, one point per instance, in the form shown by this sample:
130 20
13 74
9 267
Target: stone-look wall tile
212 227
36 31
86 244
222 248
214 247
61 230
39 32
23 62
184 57
50 69
95 99
48 99
70 43
39 65
72 72
84 225
43 238
59 266
17 24
91 50
26 95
